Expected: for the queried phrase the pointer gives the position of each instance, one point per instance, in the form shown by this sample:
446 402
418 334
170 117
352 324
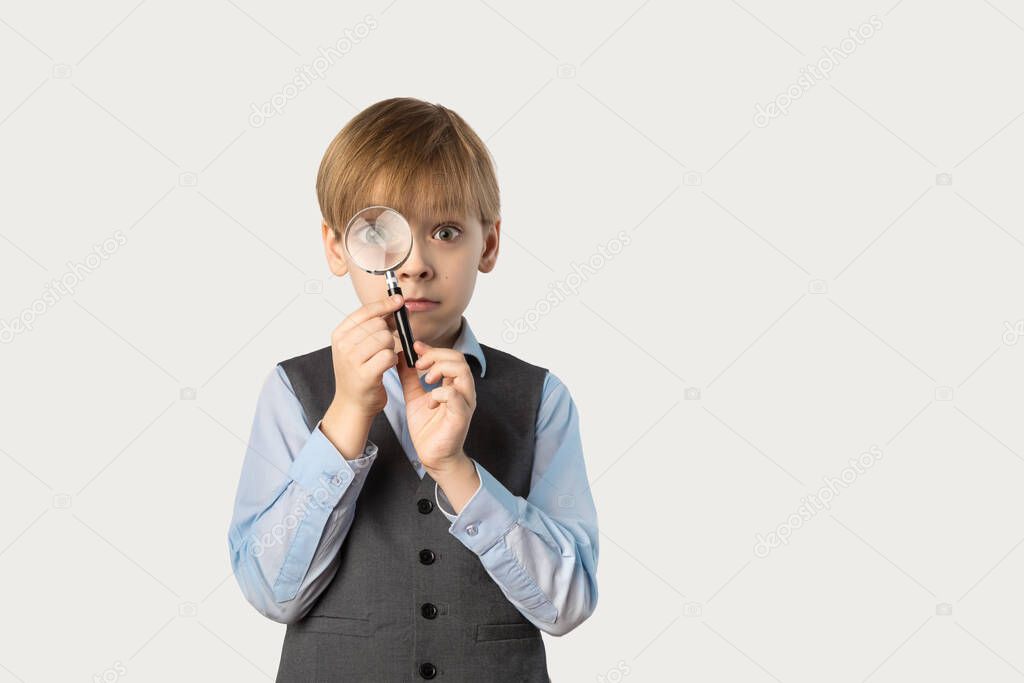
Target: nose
416 267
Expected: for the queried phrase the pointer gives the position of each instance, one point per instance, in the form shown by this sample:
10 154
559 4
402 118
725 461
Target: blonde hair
419 158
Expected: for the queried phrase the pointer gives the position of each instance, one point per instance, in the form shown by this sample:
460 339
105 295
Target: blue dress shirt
297 497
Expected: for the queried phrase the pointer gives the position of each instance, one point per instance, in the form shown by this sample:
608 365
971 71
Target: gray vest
409 600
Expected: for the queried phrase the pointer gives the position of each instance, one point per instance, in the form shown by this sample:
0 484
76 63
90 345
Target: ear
334 251
491 242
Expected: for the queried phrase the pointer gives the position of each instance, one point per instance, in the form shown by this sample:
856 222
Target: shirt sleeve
294 506
542 550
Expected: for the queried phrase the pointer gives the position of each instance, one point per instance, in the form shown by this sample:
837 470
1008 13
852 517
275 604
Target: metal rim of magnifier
348 226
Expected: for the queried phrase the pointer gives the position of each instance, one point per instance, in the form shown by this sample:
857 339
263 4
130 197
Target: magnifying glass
378 240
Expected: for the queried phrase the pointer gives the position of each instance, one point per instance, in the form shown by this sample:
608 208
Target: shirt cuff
486 517
321 466
439 495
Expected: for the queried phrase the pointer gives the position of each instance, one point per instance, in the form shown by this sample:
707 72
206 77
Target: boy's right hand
363 347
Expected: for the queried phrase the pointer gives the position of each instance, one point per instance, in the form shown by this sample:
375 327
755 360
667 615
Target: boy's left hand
439 419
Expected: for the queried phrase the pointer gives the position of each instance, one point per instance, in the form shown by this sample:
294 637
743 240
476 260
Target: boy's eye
448 233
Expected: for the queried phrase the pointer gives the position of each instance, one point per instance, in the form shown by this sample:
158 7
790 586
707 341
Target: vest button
427 670
427 556
425 507
429 610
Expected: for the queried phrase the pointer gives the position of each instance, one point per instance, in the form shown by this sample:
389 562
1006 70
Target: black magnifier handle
402 324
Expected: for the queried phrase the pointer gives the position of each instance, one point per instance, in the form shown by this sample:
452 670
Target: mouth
419 305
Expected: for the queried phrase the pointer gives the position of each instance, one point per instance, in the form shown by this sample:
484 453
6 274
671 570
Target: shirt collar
467 343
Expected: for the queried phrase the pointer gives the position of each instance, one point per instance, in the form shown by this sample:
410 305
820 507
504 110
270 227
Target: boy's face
447 252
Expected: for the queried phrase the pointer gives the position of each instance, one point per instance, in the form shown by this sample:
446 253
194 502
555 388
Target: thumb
411 386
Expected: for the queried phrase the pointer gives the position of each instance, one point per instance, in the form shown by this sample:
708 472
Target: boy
407 526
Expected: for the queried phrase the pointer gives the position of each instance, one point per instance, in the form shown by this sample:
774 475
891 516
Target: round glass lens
378 239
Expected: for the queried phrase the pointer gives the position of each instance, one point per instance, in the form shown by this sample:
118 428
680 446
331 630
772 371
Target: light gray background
792 295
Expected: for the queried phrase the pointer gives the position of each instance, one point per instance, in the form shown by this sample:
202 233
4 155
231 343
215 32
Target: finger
452 399
436 354
374 309
457 388
360 332
373 343
424 349
454 372
411 387
398 342
382 361
442 394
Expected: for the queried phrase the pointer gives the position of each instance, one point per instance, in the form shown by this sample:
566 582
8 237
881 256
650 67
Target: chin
430 330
